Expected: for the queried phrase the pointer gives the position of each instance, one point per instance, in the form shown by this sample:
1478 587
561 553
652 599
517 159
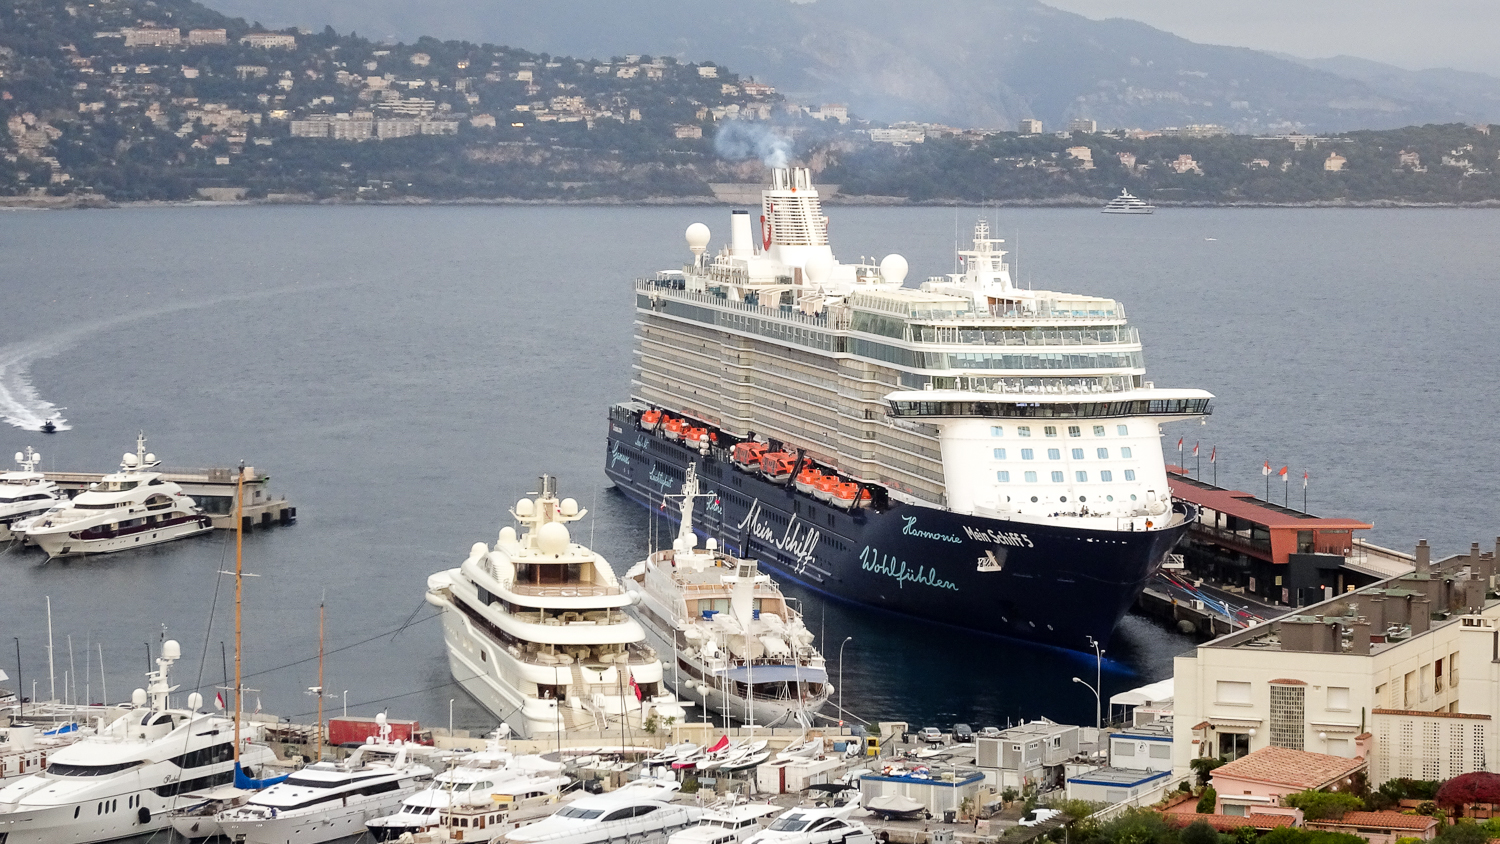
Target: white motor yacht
25 493
124 780
25 748
815 825
738 643
491 791
131 508
1126 203
536 630
641 812
729 824
329 800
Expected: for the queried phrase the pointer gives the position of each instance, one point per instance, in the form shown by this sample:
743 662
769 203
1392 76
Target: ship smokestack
741 245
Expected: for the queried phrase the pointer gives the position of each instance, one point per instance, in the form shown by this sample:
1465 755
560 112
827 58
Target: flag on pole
257 704
1179 443
1195 449
219 700
1304 479
1212 452
1283 475
635 688
1266 469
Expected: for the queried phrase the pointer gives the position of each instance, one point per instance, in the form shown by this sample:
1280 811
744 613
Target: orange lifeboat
778 465
844 494
696 437
674 429
807 478
747 455
823 488
650 418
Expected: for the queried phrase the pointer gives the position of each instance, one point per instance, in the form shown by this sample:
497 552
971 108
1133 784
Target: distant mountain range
969 63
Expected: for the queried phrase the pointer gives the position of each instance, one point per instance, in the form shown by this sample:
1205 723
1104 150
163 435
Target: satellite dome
893 268
138 697
195 701
697 238
524 508
552 538
507 536
171 650
129 460
380 718
569 507
20 457
150 458
817 269
477 550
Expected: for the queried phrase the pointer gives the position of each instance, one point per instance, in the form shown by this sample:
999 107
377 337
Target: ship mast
239 588
318 753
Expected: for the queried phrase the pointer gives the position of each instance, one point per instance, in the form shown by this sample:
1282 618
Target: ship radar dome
570 507
20 457
818 268
138 697
171 650
552 538
129 459
697 238
524 508
893 268
195 701
507 537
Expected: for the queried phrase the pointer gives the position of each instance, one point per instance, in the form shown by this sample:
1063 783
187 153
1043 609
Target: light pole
1098 678
1096 699
847 640
346 703
450 718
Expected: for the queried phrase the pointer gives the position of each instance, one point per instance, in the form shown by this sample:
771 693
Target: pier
213 489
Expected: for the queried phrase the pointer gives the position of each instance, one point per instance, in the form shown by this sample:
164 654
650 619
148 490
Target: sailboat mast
239 583
318 754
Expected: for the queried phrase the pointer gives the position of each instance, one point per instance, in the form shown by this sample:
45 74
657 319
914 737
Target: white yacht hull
324 824
84 822
717 704
61 544
196 828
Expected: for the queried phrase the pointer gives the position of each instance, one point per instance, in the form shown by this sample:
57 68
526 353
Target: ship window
1122 430
1050 430
1132 496
1075 431
1130 476
1003 477
1107 476
1023 431
999 454
1125 452
1054 454
1082 477
1098 430
1031 479
1057 477
997 431
1103 454
1027 454
1077 454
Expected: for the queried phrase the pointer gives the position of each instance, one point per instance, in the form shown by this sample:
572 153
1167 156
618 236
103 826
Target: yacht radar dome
697 238
552 538
893 268
171 650
524 508
129 460
195 701
138 697
570 507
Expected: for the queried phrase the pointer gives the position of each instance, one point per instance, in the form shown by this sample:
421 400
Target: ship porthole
1033 499
1083 498
1132 497
1063 498
1109 498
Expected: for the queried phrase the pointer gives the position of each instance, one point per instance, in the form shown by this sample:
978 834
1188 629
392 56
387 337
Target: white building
1028 754
1405 667
270 40
151 36
1030 126
200 37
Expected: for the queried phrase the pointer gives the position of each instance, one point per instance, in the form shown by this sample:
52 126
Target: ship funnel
741 245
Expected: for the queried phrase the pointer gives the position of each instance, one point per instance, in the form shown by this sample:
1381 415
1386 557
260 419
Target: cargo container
350 730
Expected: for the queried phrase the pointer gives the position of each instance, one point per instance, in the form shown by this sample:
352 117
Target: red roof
1297 769
1229 823
1380 820
1246 506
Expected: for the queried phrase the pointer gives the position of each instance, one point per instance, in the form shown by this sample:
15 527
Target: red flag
1212 452
219 700
1195 449
1179 443
635 688
1282 473
1266 469
1304 479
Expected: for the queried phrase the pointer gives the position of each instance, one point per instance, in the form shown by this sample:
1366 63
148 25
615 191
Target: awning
777 674
1156 693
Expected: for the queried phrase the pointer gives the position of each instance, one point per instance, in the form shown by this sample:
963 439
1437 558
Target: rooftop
1244 505
1117 777
1298 769
1229 823
1380 820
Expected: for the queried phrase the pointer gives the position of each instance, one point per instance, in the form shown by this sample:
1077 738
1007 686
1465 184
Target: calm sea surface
405 374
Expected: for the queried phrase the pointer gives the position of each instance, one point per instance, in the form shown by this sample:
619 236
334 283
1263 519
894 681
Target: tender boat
329 800
536 631
124 780
726 824
49 427
641 813
734 634
1127 204
815 825
131 508
25 493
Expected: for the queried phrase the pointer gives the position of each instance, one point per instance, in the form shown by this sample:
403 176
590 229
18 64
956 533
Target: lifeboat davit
778 465
747 455
824 486
650 418
844 495
807 478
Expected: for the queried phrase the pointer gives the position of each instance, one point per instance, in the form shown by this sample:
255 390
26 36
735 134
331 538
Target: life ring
765 232
1148 523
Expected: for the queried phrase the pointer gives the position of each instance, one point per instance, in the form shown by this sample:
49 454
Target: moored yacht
1126 203
25 493
536 631
131 508
328 800
641 812
815 825
25 748
124 780
736 640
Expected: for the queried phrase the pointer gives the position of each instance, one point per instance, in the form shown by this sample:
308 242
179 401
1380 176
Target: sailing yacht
25 493
737 641
123 780
128 509
536 630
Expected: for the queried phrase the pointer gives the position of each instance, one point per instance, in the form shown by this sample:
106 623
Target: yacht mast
318 733
239 582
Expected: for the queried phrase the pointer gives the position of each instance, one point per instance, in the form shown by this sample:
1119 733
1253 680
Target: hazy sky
1413 34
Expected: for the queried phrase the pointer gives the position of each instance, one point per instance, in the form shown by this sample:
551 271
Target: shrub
1316 805
1198 832
1207 801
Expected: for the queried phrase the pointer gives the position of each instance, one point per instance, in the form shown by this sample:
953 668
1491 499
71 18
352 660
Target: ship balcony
563 590
907 409
596 658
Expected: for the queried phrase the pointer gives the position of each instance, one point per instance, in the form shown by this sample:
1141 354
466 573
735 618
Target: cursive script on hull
798 540
871 560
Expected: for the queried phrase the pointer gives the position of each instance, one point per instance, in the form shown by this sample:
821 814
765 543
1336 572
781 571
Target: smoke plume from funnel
737 140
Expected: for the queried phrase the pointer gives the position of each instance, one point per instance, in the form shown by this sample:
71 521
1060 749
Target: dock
213 489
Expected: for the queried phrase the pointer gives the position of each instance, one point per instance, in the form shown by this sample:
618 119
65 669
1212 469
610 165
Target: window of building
1057 477
1031 479
1003 477
1125 452
1160 751
1239 810
1288 721
1234 745
997 431
1103 453
1082 477
999 454
1023 431
1124 748
1098 430
1075 431
1054 454
1077 454
1232 691
1106 475
1049 430
1130 475
1122 430
1338 698
1027 454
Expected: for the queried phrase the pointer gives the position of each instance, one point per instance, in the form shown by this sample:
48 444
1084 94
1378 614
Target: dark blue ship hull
1042 583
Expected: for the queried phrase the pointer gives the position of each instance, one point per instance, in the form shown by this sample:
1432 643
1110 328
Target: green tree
1316 805
1203 766
1198 832
1207 802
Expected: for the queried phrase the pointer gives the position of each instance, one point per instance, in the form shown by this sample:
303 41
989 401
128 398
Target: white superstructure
25 493
536 630
1126 203
738 644
131 508
124 780
815 825
641 813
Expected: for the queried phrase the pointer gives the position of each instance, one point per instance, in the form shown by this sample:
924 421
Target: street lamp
1096 700
1098 676
346 703
847 640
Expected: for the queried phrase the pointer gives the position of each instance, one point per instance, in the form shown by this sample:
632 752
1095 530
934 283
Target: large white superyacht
536 630
739 644
988 456
25 493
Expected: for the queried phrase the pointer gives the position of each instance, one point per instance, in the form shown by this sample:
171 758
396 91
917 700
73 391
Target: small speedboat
895 806
49 427
811 747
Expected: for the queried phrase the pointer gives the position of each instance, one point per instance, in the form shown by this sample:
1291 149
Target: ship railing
565 591
960 336
788 315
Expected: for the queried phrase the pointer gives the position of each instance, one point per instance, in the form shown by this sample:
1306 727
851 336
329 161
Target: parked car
931 735
962 733
990 732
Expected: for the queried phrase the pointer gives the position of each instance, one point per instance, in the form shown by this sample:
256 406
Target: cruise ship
987 456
